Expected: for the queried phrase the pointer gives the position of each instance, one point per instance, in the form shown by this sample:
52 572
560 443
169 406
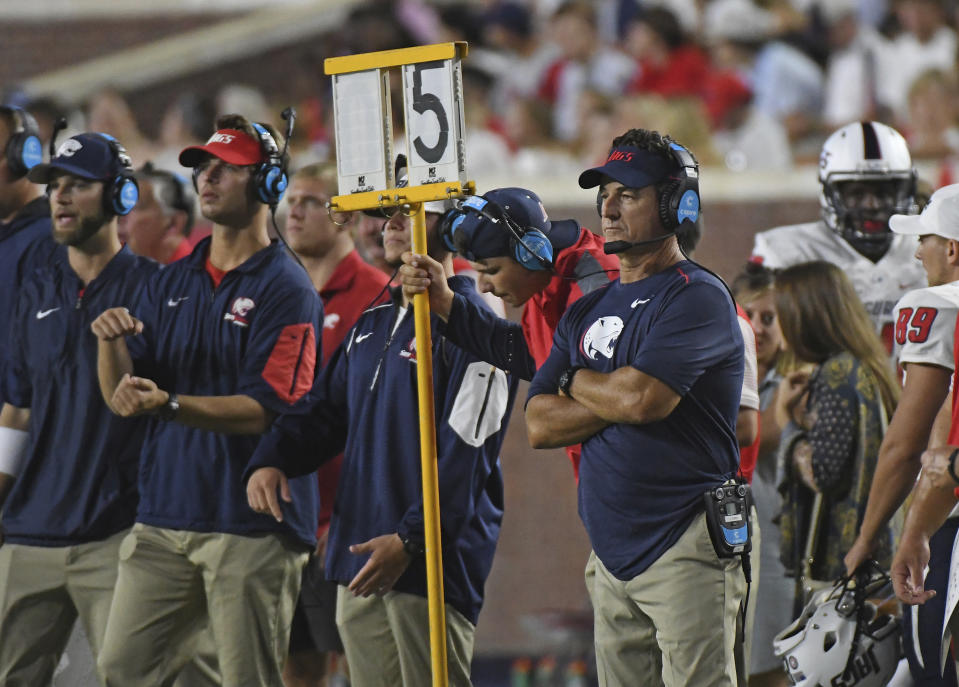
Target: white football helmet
877 159
817 646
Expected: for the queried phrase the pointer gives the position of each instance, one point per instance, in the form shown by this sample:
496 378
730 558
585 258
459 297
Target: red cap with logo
230 145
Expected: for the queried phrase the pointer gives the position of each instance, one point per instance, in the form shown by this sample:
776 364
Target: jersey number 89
914 327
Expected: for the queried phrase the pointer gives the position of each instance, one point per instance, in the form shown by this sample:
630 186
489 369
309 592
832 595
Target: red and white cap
230 145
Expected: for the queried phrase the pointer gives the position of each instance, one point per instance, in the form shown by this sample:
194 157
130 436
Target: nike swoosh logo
640 301
174 303
43 313
363 336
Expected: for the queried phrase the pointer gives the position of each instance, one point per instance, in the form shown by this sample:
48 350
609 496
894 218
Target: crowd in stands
749 84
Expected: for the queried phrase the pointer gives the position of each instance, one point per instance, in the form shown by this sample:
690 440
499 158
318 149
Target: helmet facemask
859 209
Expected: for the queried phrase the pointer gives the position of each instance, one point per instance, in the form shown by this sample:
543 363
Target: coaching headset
678 200
24 149
529 245
269 178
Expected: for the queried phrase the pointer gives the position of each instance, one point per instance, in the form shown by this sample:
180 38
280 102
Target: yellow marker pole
431 496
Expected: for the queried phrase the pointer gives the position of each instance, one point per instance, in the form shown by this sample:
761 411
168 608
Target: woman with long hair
836 417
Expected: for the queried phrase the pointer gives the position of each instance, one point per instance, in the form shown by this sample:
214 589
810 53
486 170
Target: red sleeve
289 369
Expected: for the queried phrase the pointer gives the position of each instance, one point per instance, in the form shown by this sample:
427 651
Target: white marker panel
364 137
433 103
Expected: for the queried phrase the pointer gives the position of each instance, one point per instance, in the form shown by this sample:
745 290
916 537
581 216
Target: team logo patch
239 311
601 337
330 321
221 138
410 351
69 148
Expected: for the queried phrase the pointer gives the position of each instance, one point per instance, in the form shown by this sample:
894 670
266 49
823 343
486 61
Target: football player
866 176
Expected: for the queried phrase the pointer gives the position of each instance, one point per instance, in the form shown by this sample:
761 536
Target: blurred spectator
684 119
851 70
746 138
185 122
159 225
109 113
486 148
786 84
535 152
669 63
237 97
521 56
926 42
585 62
933 100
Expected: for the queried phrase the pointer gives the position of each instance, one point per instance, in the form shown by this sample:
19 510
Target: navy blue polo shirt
255 335
78 482
641 485
26 243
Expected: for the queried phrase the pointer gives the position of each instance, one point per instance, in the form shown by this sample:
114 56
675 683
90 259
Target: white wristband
13 448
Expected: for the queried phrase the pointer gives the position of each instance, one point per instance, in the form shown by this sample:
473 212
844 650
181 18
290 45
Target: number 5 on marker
433 103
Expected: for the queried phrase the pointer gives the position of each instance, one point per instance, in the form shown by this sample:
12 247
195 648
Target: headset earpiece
120 194
679 198
448 225
269 178
532 250
24 149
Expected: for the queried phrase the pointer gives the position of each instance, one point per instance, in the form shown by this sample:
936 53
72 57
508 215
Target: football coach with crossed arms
218 344
647 373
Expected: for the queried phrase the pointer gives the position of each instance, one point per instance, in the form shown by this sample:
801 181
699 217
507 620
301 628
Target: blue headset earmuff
120 194
530 246
24 149
679 199
269 178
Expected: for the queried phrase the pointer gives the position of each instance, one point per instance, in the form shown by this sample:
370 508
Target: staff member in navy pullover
218 344
366 406
25 239
75 495
647 373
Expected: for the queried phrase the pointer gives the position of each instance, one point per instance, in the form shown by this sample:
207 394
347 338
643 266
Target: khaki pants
42 592
387 640
674 624
171 583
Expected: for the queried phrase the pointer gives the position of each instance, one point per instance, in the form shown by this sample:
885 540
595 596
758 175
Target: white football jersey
880 285
926 325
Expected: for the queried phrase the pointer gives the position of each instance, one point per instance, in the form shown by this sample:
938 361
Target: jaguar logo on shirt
410 351
239 311
601 337
331 320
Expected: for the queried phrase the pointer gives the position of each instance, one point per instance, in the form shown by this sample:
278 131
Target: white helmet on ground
866 175
817 649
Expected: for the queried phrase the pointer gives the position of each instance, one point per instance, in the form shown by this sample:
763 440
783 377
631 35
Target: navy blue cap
632 167
88 156
475 233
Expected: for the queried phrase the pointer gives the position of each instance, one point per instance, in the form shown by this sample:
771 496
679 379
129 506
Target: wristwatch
167 412
566 379
412 548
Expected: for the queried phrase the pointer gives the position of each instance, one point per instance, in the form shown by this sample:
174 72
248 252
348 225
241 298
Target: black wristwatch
167 412
412 548
566 379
